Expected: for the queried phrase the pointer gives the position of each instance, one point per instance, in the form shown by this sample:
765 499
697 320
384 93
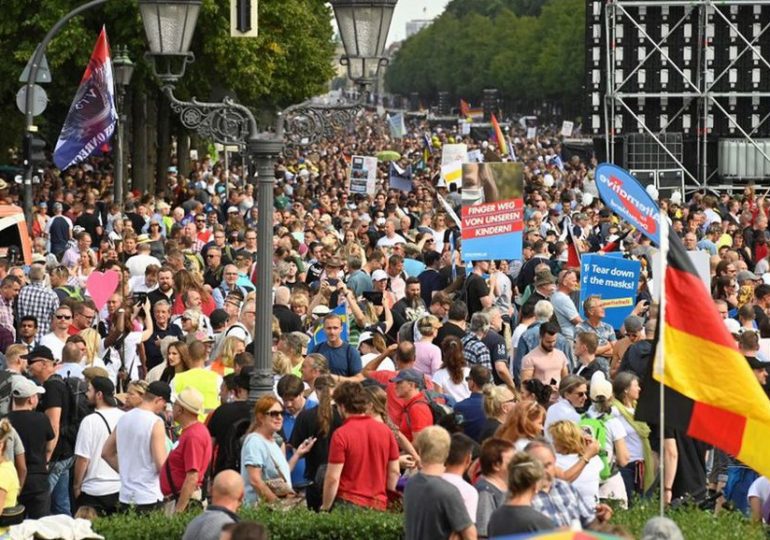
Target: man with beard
410 308
165 290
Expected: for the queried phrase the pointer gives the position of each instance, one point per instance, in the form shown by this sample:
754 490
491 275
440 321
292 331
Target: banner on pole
92 117
492 210
399 178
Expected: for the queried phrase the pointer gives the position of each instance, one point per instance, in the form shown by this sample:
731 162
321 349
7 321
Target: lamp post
169 25
123 68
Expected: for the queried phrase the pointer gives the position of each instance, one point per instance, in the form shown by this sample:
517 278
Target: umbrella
560 535
388 155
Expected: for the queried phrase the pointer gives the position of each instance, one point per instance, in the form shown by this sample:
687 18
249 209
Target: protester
492 485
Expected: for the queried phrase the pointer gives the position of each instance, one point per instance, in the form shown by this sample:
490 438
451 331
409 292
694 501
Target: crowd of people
485 399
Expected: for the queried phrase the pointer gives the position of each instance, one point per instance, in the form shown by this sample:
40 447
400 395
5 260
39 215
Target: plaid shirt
476 353
563 505
39 301
6 315
603 331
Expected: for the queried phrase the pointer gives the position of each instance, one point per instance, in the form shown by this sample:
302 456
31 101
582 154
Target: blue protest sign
625 196
399 178
613 280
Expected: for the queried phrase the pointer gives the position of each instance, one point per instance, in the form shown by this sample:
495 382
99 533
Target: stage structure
679 90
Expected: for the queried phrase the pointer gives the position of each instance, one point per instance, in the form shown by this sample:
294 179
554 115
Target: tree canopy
288 62
527 49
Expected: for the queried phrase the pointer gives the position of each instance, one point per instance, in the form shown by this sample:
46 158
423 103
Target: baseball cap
22 387
746 275
409 374
379 275
364 337
600 387
105 386
40 352
733 326
321 310
160 389
633 324
95 371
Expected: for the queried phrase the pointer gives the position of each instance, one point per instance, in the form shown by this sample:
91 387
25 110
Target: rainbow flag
499 136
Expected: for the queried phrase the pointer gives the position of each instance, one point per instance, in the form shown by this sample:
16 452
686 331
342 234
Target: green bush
370 525
297 524
695 524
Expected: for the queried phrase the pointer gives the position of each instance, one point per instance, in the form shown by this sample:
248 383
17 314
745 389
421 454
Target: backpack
439 410
598 429
78 406
6 378
230 449
72 292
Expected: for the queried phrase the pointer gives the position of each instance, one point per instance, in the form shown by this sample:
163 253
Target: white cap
22 387
733 326
379 275
364 336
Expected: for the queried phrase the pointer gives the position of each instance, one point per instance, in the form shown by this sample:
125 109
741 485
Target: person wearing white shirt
138 263
571 445
573 390
55 340
457 463
759 493
95 483
391 237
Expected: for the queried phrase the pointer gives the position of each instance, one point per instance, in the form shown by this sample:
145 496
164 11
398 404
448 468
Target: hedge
303 524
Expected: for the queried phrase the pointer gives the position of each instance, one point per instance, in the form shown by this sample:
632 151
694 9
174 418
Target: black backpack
78 406
230 449
437 409
6 378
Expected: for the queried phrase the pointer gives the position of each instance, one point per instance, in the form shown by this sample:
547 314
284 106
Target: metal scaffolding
702 98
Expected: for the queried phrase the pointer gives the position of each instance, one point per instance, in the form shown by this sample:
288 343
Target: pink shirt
547 366
427 357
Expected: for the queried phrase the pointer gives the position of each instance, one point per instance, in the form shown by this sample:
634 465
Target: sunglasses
274 414
63 317
580 394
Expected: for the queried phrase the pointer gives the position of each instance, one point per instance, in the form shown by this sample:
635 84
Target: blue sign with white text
613 280
624 195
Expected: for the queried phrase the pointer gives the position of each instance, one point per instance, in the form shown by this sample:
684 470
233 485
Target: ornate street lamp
363 26
169 25
123 68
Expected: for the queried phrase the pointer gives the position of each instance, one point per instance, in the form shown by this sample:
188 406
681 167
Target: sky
407 10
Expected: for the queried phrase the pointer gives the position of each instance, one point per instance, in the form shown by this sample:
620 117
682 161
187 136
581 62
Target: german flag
711 393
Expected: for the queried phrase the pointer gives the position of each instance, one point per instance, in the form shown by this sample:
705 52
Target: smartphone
332 282
375 297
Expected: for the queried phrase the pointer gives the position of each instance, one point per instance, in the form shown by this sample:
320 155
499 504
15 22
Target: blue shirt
343 360
298 474
267 455
472 410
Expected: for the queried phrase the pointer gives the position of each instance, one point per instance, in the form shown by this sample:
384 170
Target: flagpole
659 366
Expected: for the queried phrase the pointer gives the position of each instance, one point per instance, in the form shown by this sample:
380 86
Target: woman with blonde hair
91 338
9 478
231 347
571 445
134 394
499 401
523 425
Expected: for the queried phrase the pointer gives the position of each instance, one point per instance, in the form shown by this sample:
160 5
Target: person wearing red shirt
363 455
405 358
185 467
416 414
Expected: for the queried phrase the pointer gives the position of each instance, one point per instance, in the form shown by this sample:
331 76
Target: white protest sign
452 158
531 133
452 172
363 175
465 127
475 156
566 128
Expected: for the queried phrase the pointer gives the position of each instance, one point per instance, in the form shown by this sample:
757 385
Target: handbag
12 515
288 499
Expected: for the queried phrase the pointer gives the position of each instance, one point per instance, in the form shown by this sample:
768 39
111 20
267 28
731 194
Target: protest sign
363 174
397 126
465 127
625 196
532 133
452 158
475 156
612 279
566 128
399 178
492 211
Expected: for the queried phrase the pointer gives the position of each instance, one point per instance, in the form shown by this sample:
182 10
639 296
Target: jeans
59 484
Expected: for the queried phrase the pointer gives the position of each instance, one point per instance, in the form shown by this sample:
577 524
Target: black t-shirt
151 347
90 222
307 425
497 351
509 519
690 479
58 395
475 289
488 430
221 422
35 431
